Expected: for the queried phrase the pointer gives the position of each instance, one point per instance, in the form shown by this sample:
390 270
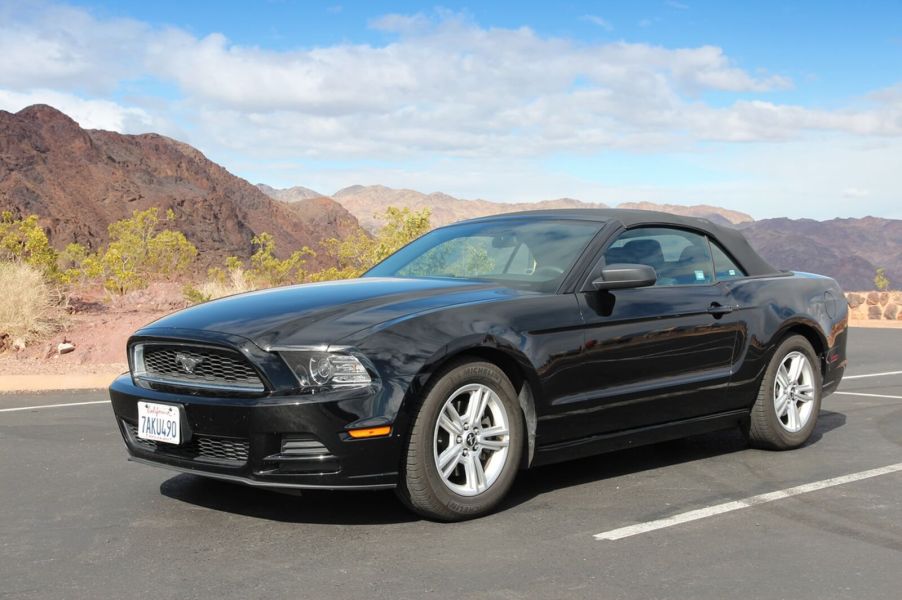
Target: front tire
785 412
465 445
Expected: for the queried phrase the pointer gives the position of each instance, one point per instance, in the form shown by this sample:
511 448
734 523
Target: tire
456 492
785 412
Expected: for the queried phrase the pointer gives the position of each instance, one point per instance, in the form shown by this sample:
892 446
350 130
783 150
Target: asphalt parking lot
78 521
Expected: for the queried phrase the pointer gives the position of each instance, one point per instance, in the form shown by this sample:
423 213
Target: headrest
646 252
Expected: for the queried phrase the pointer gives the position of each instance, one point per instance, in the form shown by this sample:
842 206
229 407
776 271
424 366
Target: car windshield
519 252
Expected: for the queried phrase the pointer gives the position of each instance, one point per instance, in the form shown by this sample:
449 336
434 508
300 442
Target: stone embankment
875 306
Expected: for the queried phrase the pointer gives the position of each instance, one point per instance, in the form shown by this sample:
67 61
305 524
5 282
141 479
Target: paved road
78 521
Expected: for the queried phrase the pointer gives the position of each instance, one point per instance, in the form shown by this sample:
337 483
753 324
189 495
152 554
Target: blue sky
773 108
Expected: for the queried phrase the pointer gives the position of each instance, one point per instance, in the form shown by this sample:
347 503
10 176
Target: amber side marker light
369 432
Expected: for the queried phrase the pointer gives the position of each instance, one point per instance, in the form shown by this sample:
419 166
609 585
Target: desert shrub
402 226
357 253
881 281
219 283
138 253
23 240
78 265
27 308
266 270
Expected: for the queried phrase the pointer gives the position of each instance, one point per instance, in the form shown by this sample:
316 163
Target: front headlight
320 370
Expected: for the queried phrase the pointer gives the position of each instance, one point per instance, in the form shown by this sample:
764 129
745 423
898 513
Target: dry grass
236 282
27 310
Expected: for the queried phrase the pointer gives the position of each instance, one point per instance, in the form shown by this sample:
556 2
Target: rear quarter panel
773 307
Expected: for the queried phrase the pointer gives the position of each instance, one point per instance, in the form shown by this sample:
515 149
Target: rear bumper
241 439
834 362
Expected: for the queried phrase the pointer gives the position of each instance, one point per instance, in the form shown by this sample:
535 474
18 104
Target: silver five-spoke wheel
794 391
471 439
785 411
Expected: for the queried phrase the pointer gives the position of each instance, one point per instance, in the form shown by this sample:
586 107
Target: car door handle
718 309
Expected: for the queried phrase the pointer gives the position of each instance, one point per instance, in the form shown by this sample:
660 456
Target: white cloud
90 114
853 192
596 20
56 46
444 85
395 23
442 90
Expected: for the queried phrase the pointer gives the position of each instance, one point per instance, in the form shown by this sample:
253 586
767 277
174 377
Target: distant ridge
292 194
368 202
365 202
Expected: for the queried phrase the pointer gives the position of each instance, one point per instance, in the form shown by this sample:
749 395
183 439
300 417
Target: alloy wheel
794 391
471 440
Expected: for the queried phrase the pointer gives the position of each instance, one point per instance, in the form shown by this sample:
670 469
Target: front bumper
241 439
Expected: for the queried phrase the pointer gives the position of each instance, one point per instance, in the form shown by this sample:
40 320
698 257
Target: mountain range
79 181
367 203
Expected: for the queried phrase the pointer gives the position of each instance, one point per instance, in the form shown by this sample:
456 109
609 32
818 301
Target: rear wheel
789 400
465 444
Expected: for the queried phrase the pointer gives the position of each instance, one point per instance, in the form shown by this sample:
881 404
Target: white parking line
871 375
719 509
22 408
869 395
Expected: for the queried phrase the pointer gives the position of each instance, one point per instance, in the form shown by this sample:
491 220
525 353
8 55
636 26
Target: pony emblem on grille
188 363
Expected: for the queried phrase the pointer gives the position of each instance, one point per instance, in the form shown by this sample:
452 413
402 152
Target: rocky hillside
79 181
292 194
849 250
325 215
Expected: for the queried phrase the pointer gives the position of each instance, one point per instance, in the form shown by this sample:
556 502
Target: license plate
159 422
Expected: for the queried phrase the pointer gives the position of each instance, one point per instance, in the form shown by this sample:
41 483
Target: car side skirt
598 444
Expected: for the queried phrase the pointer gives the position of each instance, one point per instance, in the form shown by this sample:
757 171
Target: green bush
881 281
138 253
23 240
358 253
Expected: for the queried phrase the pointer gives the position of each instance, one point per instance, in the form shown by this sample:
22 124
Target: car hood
324 313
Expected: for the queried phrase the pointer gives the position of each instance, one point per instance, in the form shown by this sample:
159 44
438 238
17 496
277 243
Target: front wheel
465 444
789 400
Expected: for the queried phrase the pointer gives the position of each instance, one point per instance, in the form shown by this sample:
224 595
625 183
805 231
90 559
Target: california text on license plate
159 422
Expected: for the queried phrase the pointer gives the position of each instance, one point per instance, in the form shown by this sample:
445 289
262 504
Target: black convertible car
483 348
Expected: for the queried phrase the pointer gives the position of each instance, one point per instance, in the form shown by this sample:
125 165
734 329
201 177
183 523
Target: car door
654 354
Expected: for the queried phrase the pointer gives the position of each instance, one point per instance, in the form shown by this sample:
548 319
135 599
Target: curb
47 383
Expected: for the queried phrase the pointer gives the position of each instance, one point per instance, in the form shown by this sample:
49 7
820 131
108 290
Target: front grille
195 367
204 447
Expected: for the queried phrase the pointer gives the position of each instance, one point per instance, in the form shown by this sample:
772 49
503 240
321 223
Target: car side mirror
623 276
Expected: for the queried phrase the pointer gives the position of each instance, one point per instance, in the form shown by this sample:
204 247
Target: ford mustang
483 348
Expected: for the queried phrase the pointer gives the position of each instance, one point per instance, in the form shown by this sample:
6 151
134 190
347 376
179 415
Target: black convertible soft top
730 238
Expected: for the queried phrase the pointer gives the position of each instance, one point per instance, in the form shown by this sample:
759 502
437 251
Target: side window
679 257
724 267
